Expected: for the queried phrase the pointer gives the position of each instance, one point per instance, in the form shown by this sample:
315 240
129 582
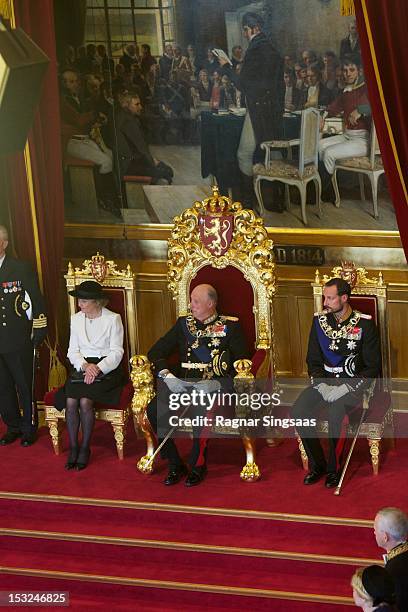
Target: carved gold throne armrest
143 384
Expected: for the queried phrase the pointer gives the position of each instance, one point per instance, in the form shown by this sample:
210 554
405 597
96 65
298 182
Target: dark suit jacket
131 144
261 80
345 47
398 568
16 278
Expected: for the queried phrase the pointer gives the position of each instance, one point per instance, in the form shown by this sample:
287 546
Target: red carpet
131 543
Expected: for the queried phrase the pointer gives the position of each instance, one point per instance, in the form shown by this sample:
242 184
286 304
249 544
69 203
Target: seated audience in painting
228 93
204 86
339 86
107 64
81 62
166 61
133 152
329 70
174 100
216 90
77 119
147 60
237 57
95 352
309 57
130 56
353 104
292 94
92 64
181 66
211 63
317 94
350 45
194 60
288 62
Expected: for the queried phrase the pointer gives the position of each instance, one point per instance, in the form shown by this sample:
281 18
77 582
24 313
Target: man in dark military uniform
23 326
207 344
344 350
391 533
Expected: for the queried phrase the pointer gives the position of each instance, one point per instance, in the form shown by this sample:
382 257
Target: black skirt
105 391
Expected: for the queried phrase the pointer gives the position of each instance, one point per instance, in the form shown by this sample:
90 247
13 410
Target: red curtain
383 27
37 20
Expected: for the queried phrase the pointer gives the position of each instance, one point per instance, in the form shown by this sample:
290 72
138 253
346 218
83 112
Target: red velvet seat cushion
125 399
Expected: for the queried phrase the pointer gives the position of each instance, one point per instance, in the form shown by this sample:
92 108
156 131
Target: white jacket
108 343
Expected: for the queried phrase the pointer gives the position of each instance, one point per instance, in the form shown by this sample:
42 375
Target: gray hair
102 302
4 232
394 522
212 294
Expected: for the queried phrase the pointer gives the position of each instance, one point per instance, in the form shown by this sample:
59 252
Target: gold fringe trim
5 9
57 374
347 8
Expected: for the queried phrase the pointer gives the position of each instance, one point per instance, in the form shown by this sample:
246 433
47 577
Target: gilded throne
218 242
120 287
369 296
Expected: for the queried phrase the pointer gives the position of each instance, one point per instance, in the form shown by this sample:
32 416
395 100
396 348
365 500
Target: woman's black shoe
83 458
72 459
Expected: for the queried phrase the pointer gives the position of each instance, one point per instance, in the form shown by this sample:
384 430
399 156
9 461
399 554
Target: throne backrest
119 285
369 296
236 296
218 242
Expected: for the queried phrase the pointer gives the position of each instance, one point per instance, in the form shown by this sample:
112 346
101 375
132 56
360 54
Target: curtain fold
383 27
38 218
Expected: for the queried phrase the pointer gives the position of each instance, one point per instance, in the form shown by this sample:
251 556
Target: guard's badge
216 232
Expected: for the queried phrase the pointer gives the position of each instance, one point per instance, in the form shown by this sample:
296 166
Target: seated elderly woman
373 589
95 351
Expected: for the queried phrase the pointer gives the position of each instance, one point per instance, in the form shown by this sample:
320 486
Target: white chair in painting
298 173
371 166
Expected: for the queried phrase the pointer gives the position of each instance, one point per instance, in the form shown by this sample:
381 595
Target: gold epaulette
230 318
40 321
365 316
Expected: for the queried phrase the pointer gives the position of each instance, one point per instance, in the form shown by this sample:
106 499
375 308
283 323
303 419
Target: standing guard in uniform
207 344
343 348
23 326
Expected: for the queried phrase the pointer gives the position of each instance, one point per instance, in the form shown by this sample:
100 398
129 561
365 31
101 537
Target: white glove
336 393
324 389
176 385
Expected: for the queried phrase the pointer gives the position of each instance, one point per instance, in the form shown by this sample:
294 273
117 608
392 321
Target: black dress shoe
83 458
332 479
72 459
195 477
28 439
176 473
10 437
312 477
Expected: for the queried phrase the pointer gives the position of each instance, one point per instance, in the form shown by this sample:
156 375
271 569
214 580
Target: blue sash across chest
332 357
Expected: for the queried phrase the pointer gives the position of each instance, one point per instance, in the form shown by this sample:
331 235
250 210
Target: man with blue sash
343 357
207 345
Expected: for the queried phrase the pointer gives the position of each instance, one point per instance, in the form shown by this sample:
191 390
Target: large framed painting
160 99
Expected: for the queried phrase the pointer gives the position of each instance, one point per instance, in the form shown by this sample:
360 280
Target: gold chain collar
344 331
204 333
397 550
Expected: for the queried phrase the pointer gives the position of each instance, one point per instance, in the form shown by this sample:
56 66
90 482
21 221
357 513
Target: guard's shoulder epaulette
317 314
365 316
230 318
